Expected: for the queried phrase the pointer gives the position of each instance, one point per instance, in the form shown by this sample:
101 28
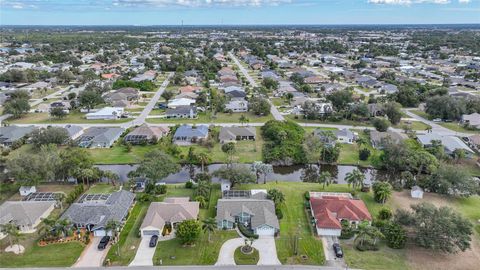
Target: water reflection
285 174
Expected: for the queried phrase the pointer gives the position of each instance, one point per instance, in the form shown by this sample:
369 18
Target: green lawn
172 252
455 126
300 119
218 118
102 188
469 207
421 113
246 259
118 154
129 237
415 125
295 225
384 258
55 255
72 118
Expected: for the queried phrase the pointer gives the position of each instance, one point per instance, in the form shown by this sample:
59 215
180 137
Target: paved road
436 128
146 111
91 256
202 267
273 109
52 95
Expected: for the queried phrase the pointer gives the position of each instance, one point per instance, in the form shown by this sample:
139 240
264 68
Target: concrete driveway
144 255
330 257
265 246
267 250
91 256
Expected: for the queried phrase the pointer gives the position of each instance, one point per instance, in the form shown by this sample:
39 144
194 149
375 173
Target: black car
338 250
153 241
103 242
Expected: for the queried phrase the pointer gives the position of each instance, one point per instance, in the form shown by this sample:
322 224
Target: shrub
364 154
246 231
385 214
381 124
395 235
347 230
189 184
161 189
279 213
144 197
307 195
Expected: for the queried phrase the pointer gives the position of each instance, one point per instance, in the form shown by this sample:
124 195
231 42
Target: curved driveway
265 246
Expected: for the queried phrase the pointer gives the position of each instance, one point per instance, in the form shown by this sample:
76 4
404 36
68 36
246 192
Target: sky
237 12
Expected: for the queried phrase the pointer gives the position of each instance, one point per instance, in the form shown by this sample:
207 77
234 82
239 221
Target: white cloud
410 2
198 3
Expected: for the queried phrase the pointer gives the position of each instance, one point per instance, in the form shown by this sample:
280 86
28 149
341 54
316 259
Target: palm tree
243 119
14 235
114 226
355 178
325 178
113 177
203 158
361 142
63 225
209 225
201 201
366 231
382 191
48 226
261 168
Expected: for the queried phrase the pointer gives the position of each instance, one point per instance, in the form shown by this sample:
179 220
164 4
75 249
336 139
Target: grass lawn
421 113
415 125
218 118
118 154
72 118
246 259
41 93
455 126
295 223
129 237
349 152
172 252
55 255
469 207
300 119
384 258
102 188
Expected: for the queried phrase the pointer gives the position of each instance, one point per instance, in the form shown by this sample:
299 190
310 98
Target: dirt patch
404 200
419 258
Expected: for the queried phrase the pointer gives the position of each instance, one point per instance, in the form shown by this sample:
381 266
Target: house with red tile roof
329 209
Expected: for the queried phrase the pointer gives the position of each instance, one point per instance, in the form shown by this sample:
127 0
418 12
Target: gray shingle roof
231 133
23 212
10 134
99 213
262 211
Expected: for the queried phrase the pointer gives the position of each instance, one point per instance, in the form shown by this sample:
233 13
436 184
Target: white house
180 102
27 190
107 113
416 192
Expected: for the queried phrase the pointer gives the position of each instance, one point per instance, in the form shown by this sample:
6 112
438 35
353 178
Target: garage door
265 230
150 232
99 233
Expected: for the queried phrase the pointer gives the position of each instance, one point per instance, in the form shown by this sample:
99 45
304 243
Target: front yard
217 118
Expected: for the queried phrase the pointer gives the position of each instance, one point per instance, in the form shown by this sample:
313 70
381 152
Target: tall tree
156 165
355 178
209 225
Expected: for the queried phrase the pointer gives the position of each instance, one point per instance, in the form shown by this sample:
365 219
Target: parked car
436 120
338 250
153 241
103 242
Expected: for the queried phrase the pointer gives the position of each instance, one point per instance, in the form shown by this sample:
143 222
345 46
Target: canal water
284 173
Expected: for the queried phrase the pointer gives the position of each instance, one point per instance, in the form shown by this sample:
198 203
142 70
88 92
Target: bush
347 230
246 231
385 214
279 213
144 197
364 154
395 235
307 195
189 184
160 189
381 124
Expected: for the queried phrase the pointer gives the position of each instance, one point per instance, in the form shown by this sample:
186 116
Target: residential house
232 134
11 134
450 143
145 133
187 134
73 131
249 208
99 137
330 209
107 113
236 95
174 103
94 211
378 139
237 106
168 213
474 141
64 105
473 120
27 215
185 111
189 89
123 97
345 136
